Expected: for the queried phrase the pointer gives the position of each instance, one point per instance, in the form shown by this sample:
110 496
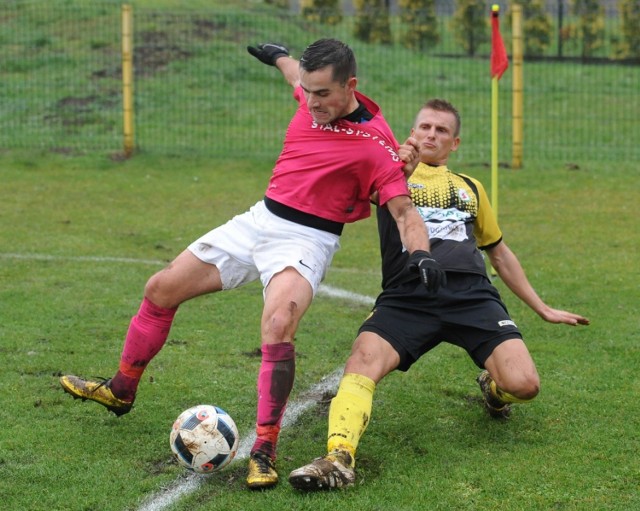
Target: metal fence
197 90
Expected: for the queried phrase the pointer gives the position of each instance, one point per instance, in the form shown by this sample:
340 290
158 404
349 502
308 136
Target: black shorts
468 312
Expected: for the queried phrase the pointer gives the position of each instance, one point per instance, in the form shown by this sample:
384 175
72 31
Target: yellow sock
349 412
505 397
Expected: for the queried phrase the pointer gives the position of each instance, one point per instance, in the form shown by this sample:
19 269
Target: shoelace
103 383
264 462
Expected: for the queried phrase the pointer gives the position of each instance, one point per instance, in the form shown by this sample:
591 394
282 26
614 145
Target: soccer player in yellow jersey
407 321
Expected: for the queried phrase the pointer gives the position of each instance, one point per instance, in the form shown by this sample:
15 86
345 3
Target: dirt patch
157 48
207 29
155 52
73 111
256 353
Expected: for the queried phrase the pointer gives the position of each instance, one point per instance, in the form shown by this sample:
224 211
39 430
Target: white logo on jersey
441 215
454 231
338 128
506 322
445 224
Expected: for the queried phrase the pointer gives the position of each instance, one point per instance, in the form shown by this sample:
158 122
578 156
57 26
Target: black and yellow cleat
335 470
262 472
496 408
98 391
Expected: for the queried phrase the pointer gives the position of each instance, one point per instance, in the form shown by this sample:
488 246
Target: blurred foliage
372 23
321 11
536 26
284 4
469 25
628 45
589 28
420 28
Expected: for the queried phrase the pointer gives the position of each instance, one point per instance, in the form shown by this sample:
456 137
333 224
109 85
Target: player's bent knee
158 292
529 393
372 356
280 326
528 388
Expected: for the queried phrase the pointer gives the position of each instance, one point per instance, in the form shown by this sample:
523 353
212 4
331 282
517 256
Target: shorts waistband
302 218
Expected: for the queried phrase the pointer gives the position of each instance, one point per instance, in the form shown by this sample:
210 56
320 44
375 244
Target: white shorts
260 244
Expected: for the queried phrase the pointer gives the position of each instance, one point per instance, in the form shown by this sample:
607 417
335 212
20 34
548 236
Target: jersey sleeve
485 228
393 189
390 181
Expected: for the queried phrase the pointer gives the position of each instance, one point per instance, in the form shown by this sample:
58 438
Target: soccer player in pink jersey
338 151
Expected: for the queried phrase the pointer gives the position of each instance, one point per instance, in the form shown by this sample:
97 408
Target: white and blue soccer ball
204 439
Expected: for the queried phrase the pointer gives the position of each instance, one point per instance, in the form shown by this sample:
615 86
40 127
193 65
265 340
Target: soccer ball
204 439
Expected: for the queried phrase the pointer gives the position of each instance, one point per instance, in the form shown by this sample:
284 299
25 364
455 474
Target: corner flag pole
494 144
499 64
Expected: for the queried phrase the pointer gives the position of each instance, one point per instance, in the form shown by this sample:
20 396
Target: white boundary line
334 292
324 290
185 485
89 259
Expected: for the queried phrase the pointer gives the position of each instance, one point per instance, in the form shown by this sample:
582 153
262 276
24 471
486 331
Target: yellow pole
494 152
127 78
517 86
494 144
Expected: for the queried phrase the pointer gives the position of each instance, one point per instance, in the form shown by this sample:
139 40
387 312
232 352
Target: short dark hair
330 52
442 105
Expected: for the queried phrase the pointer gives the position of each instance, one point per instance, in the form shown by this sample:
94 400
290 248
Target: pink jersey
331 170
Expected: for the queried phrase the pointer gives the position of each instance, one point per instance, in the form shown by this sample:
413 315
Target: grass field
81 232
80 236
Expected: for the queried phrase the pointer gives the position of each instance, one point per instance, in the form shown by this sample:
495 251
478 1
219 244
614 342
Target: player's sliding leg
349 415
372 358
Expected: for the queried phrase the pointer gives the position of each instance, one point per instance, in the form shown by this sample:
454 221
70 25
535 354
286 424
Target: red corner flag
499 60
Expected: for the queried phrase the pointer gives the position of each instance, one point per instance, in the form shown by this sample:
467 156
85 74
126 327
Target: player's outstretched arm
277 55
508 267
290 69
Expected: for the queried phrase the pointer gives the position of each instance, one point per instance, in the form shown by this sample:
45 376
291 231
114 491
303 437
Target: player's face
327 99
435 133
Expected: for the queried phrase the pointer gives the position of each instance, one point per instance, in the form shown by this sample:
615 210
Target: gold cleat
98 391
262 472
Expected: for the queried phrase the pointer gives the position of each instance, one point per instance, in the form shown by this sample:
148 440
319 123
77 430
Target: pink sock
147 334
275 382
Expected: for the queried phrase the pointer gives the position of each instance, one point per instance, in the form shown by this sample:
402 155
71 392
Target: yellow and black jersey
457 212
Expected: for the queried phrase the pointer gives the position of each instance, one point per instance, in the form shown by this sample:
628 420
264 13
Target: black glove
432 276
268 53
